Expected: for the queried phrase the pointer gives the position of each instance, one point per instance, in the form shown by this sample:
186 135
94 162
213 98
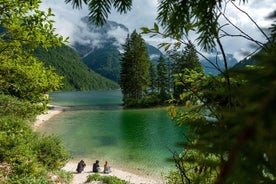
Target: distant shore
72 164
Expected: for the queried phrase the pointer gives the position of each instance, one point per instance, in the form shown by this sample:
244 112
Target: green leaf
156 28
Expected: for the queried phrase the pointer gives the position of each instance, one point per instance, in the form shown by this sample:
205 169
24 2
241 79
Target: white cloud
119 34
66 18
258 11
154 56
144 12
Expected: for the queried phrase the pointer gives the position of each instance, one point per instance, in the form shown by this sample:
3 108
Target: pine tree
153 78
134 69
181 60
162 79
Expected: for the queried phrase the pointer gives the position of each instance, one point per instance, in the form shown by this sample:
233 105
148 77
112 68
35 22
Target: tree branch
251 20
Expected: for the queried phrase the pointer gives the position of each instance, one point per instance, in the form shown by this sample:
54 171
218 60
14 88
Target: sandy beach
71 165
42 118
80 178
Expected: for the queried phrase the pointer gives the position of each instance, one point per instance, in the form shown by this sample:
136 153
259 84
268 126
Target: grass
106 179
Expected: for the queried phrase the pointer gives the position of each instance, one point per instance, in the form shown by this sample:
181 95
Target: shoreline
80 178
43 118
72 164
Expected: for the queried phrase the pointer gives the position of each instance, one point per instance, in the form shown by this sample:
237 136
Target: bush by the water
106 179
12 106
25 155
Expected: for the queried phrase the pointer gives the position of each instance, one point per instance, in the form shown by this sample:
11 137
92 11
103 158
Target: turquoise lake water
97 127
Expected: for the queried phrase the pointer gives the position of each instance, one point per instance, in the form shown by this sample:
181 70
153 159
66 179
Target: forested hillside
105 61
77 76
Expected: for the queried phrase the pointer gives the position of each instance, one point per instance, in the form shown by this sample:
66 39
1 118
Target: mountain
100 47
88 37
218 61
245 62
77 76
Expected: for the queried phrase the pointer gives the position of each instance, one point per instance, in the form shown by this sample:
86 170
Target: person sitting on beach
96 166
106 168
81 166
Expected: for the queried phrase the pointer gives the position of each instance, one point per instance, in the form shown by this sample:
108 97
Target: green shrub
150 101
27 180
31 156
106 179
145 102
12 106
51 152
94 177
24 162
13 132
173 177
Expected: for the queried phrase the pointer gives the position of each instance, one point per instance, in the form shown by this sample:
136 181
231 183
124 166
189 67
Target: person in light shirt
107 168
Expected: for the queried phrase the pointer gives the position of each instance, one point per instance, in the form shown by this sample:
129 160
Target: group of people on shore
95 168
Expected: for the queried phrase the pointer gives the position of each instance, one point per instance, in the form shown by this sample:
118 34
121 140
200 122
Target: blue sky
144 12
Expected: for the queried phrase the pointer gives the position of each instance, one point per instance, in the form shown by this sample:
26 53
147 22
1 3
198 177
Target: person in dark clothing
81 166
96 166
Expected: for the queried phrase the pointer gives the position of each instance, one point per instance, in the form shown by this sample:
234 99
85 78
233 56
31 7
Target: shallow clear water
96 127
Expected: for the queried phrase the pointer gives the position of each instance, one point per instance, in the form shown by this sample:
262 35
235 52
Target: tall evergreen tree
134 69
153 78
180 60
162 79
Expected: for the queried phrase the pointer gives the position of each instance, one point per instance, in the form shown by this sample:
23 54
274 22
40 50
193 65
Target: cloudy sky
144 12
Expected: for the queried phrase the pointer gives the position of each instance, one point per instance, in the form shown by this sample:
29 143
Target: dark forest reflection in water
97 127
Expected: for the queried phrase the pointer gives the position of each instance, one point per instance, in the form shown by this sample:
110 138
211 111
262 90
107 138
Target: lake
97 127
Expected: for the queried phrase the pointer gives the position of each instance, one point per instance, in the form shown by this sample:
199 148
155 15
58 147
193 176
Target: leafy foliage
105 179
186 59
99 10
178 18
26 27
27 79
219 110
21 148
28 179
23 84
51 152
12 106
23 29
227 122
